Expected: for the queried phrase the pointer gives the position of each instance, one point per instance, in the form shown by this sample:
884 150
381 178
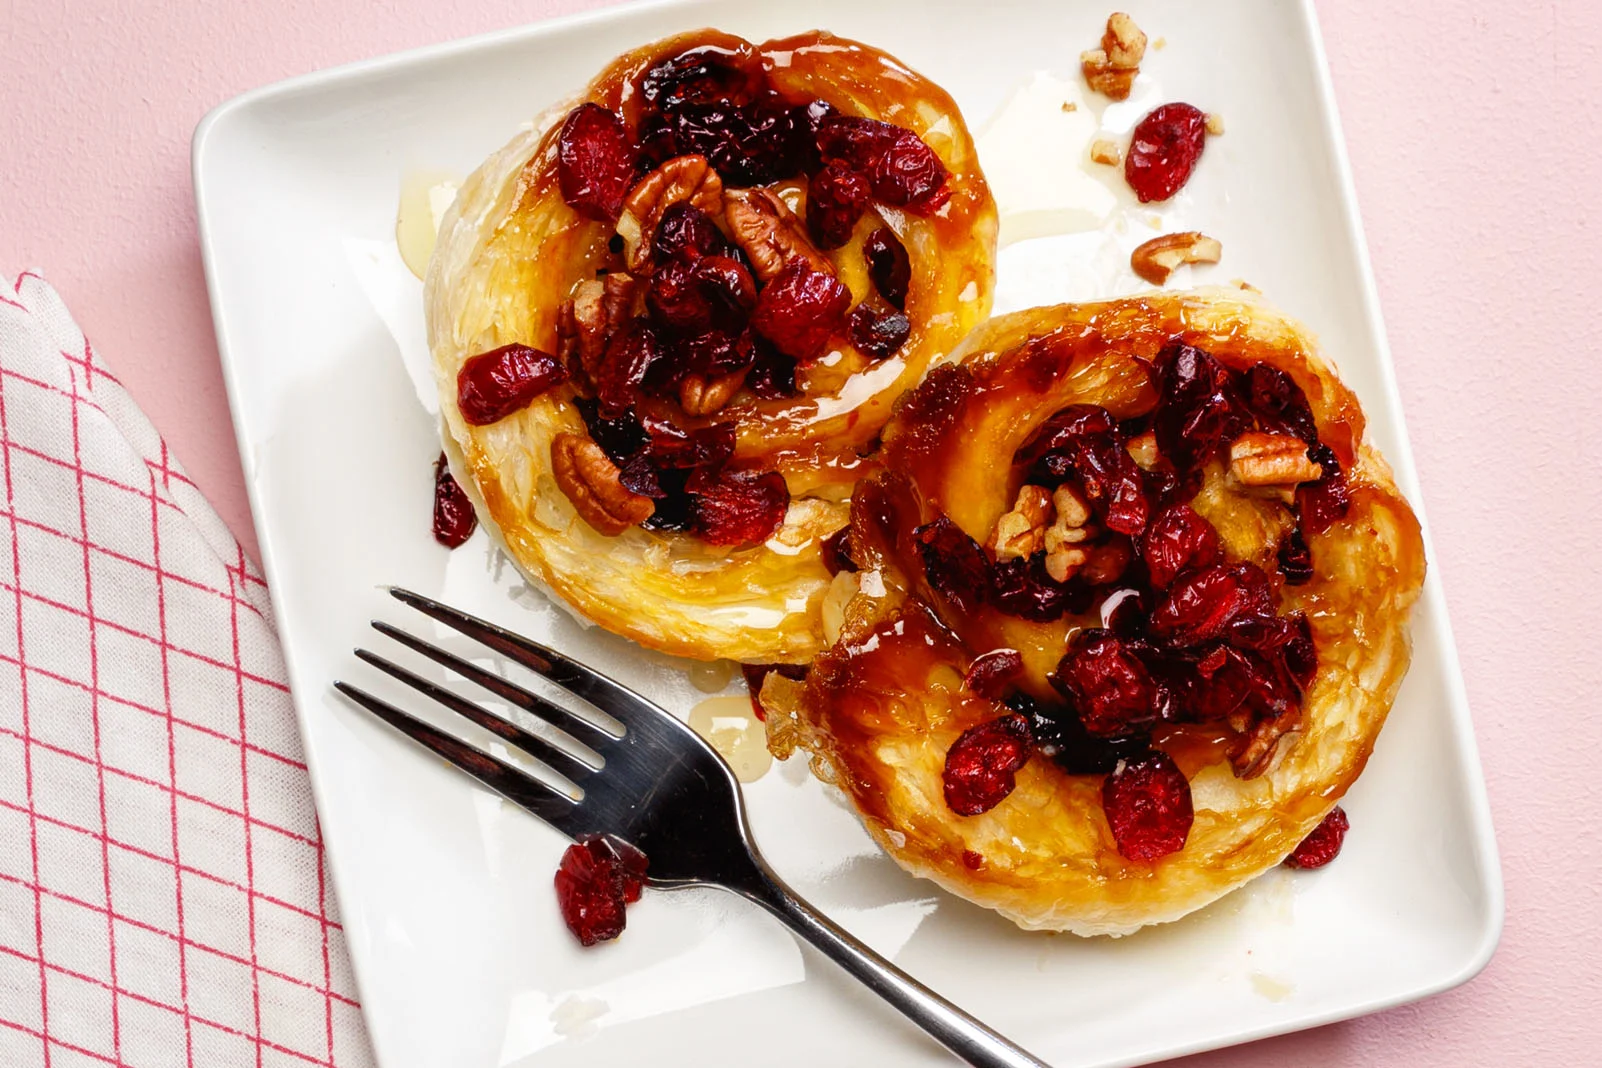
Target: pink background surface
1478 156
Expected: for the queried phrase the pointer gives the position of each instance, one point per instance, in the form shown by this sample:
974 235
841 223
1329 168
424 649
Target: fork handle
959 1032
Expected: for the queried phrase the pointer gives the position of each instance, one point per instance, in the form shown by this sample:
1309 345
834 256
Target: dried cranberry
712 293
953 564
1300 655
982 762
657 146
1147 802
888 266
904 172
595 161
1022 587
747 144
599 875
876 334
1278 402
1108 684
1164 150
1178 539
1202 604
988 675
619 438
1124 612
1323 844
805 119
836 551
670 446
1198 407
800 310
738 507
1060 736
1295 558
1085 442
686 232
973 861
702 75
454 519
624 365
756 674
1327 499
494 384
836 198
772 374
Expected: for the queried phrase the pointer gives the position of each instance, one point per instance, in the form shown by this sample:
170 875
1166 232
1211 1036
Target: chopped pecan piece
1022 531
1257 459
593 484
770 234
1105 150
1111 69
1158 258
1062 539
1143 450
681 178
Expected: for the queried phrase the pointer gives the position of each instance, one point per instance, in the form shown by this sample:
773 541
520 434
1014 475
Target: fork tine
602 692
563 762
577 726
549 804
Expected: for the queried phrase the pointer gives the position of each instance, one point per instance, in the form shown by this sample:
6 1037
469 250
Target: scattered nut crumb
1111 69
1215 123
1069 105
1157 259
1241 283
1106 150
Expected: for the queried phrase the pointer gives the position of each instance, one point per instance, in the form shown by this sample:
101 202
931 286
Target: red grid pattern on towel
163 890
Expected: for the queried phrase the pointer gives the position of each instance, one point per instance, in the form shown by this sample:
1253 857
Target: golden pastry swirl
512 252
881 709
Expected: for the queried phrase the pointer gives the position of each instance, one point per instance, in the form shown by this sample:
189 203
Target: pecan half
1022 531
1111 69
1158 258
680 178
593 484
700 395
770 234
1255 752
599 309
1257 459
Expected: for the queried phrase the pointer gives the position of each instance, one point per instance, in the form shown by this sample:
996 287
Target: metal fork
658 785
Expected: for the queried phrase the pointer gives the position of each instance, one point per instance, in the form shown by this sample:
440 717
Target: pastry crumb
1160 44
1215 123
1069 105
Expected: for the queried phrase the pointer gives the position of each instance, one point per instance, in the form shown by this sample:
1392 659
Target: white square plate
446 891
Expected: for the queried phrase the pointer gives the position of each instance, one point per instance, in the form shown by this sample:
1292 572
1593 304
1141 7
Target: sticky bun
1121 616
669 321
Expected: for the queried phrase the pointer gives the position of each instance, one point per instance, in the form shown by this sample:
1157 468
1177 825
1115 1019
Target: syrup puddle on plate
731 726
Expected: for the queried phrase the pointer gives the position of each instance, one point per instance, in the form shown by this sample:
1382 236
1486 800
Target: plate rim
1490 924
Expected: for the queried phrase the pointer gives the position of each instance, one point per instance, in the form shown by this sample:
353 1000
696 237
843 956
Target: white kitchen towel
164 897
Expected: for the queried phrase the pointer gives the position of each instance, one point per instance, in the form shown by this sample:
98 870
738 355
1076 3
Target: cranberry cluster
1187 635
599 876
707 317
